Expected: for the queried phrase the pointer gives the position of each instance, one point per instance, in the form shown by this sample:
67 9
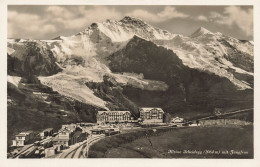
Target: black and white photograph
164 81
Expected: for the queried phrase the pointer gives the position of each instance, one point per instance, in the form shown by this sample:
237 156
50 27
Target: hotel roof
100 112
48 129
25 133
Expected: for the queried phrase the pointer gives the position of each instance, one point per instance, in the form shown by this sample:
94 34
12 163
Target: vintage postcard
130 81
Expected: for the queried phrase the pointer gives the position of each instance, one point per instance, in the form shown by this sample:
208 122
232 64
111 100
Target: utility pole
87 149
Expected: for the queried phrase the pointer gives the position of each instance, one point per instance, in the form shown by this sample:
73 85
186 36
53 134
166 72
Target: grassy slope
200 138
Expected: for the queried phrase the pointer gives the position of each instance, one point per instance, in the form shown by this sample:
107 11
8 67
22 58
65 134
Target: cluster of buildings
71 134
51 143
147 116
108 123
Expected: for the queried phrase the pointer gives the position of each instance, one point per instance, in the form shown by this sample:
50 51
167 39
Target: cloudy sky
47 22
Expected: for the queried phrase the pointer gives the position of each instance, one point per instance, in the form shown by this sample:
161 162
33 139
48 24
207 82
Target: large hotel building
151 115
113 116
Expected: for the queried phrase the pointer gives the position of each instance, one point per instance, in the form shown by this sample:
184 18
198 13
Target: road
225 114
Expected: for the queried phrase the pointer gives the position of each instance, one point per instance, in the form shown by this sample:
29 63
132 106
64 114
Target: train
109 132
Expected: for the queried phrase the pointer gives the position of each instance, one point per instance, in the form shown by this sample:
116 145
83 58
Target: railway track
23 151
81 149
29 149
226 114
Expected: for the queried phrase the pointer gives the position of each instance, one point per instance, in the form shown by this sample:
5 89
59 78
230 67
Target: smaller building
46 132
177 120
22 138
50 151
63 138
151 115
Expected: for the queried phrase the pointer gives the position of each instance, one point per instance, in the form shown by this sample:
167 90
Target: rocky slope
31 58
216 53
189 89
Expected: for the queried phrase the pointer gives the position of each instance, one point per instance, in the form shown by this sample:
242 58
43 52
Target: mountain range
124 65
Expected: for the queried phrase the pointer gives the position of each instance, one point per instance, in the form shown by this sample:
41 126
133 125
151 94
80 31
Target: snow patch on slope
204 51
10 50
115 32
13 80
74 87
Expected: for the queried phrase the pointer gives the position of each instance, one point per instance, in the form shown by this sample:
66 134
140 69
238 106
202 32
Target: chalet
177 120
151 115
46 132
113 116
22 138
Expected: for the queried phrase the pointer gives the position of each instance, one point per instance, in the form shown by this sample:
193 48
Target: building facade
177 120
63 138
113 116
22 138
151 115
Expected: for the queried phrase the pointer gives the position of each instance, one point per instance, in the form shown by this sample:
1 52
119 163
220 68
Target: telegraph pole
87 148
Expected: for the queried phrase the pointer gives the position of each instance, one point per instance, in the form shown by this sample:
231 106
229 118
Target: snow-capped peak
129 19
126 28
200 31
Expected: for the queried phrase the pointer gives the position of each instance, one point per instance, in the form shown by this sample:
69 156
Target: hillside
33 106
